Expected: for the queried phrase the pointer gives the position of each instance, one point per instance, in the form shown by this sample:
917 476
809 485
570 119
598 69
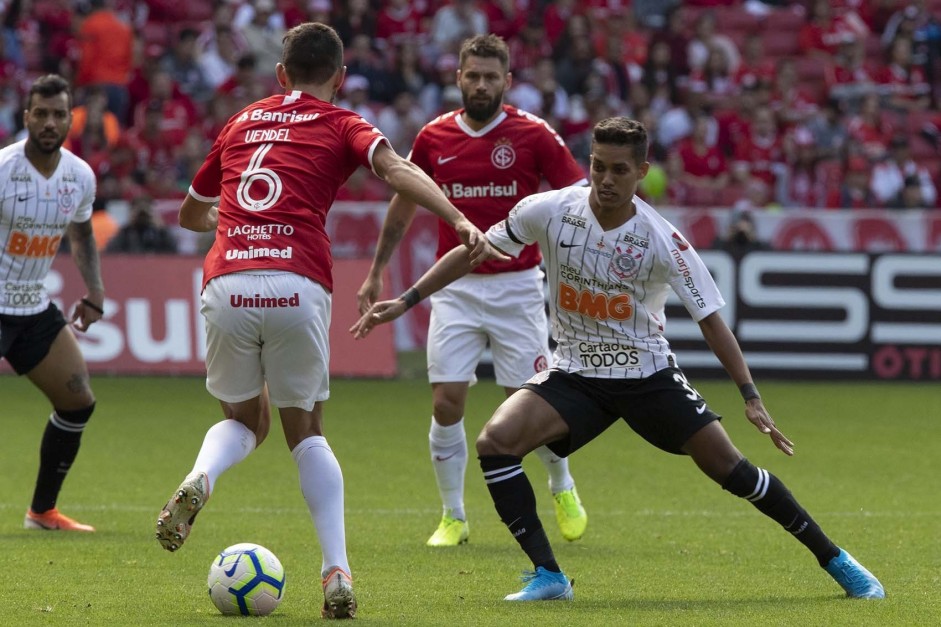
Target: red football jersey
276 168
486 172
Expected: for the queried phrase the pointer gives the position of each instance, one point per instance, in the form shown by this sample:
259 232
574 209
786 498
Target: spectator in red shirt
871 129
528 49
792 103
398 21
825 29
507 17
704 166
307 11
904 84
556 18
755 66
178 112
847 77
760 155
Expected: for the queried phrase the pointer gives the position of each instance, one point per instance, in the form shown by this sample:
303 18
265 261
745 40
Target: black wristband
749 391
93 306
411 298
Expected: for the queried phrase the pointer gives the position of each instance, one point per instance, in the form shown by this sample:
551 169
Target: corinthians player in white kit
610 260
46 192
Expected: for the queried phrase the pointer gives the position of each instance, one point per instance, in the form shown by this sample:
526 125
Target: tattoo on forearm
391 236
85 254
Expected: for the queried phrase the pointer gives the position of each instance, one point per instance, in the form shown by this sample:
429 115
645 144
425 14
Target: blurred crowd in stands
749 103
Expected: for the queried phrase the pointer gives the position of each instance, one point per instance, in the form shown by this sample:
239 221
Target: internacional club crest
503 155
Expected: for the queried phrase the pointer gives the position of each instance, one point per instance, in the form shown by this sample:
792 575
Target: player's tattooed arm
91 307
85 255
398 218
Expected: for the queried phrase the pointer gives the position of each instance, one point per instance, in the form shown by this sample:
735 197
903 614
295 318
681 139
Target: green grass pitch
664 545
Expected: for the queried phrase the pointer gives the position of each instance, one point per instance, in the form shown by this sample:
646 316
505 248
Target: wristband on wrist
749 391
411 298
93 306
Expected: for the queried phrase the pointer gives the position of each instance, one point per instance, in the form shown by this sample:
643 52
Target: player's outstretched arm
723 343
85 254
411 182
197 215
452 266
399 217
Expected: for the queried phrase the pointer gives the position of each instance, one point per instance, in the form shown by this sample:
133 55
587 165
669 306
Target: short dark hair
48 86
622 131
313 53
487 46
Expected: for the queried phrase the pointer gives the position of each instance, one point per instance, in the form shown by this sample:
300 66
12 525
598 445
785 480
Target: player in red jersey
486 157
265 189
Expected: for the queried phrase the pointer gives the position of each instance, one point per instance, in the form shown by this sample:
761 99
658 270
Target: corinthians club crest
625 263
66 198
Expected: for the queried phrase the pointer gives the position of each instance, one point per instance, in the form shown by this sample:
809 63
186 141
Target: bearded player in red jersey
486 157
265 189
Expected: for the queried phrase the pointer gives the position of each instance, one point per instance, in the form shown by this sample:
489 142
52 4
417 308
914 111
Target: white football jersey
607 289
34 213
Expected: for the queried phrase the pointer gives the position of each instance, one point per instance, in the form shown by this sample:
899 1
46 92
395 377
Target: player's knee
447 411
490 442
76 418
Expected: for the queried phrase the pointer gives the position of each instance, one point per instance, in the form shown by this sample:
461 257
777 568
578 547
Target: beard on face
482 111
42 145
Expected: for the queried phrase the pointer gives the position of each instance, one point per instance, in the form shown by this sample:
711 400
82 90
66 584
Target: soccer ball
246 579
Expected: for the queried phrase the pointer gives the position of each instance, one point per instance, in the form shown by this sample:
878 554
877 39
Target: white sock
560 479
449 459
322 487
226 444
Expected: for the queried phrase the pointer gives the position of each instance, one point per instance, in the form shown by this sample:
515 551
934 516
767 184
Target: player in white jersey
46 192
610 259
265 189
487 156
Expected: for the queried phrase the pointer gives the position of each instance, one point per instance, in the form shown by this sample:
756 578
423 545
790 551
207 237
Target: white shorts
508 309
267 327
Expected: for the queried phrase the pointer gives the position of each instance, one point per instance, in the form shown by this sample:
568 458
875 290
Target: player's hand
380 313
757 414
83 316
368 293
480 248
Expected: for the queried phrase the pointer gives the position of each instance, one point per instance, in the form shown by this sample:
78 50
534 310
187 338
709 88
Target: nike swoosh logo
438 458
443 160
568 244
701 409
23 198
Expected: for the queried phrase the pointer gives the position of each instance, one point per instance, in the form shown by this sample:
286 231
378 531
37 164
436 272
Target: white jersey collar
493 124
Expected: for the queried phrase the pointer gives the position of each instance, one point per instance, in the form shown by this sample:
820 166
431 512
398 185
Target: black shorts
25 340
663 408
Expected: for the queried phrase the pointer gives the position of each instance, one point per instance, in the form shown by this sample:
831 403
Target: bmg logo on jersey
599 306
34 246
503 156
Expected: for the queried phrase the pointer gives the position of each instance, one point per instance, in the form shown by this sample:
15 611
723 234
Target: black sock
774 500
60 443
515 501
